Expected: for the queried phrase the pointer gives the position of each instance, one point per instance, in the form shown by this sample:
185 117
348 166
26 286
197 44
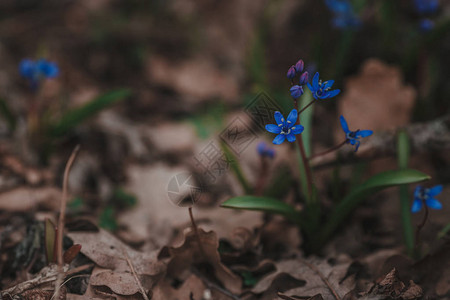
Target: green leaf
403 159
50 238
444 231
374 184
76 116
6 112
236 168
265 204
107 219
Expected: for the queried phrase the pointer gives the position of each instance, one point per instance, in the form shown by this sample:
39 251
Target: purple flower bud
296 91
291 72
304 78
299 66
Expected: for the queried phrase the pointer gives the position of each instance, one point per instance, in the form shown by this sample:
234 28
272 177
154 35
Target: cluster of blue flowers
426 195
344 17
425 8
297 69
35 71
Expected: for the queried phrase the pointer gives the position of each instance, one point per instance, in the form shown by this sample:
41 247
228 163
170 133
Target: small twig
327 283
69 279
194 227
421 225
212 285
130 264
334 148
42 279
62 214
308 105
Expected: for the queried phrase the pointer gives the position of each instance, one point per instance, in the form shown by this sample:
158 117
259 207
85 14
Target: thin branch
62 215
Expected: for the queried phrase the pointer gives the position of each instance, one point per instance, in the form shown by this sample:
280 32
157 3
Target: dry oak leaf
110 253
309 282
25 198
189 255
107 251
376 98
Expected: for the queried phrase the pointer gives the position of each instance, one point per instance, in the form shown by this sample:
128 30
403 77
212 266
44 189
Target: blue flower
426 6
422 195
321 90
35 71
286 129
426 25
352 137
344 16
265 151
296 91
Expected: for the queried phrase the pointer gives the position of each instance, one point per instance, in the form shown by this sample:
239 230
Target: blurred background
145 86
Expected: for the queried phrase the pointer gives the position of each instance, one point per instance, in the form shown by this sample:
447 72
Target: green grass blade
403 159
265 204
76 116
306 118
444 231
374 184
6 112
236 168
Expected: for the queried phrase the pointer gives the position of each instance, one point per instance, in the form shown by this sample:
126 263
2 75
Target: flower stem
197 235
259 188
420 226
304 159
308 105
334 148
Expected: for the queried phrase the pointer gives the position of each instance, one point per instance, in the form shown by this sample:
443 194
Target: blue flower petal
279 118
333 93
344 124
292 118
364 133
27 68
352 142
279 139
273 128
433 203
417 205
315 82
328 84
297 129
290 137
417 192
436 190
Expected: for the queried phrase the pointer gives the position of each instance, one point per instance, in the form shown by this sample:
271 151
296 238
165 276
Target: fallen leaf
189 256
309 282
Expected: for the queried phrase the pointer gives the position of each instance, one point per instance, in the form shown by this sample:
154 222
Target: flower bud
291 72
296 91
299 66
304 78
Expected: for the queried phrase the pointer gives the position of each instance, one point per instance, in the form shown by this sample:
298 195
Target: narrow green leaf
265 204
236 168
76 116
306 118
50 238
374 184
444 231
403 159
6 112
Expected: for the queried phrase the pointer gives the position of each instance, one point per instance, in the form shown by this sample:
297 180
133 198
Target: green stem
403 158
304 159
